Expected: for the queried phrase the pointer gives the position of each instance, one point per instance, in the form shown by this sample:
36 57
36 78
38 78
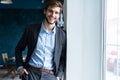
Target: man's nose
53 14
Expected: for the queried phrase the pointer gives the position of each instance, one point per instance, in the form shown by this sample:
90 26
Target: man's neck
48 26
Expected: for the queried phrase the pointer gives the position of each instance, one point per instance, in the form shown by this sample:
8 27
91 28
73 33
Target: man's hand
22 71
58 78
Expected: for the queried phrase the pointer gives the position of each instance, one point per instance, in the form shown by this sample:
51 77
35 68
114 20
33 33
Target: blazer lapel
36 33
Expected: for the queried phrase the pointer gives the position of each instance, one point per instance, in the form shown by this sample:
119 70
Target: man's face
52 14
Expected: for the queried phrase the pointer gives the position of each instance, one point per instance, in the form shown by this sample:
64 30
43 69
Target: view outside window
112 40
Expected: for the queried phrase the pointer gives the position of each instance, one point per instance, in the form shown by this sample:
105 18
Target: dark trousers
37 75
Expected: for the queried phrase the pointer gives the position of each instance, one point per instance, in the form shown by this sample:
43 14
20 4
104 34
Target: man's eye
56 12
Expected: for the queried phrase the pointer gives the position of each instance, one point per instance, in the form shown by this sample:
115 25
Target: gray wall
84 39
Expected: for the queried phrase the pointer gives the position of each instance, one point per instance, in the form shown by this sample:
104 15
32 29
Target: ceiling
24 4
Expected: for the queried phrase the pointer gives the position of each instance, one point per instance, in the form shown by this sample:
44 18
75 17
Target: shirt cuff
19 68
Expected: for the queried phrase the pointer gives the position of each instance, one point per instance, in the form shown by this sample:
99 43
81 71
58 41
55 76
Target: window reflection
112 42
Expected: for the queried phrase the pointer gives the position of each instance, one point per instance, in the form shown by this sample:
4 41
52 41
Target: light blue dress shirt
43 54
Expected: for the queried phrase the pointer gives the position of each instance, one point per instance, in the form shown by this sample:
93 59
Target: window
112 41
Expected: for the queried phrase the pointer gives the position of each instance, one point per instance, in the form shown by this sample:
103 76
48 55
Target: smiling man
46 43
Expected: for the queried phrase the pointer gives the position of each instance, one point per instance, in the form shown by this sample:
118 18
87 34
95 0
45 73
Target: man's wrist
58 78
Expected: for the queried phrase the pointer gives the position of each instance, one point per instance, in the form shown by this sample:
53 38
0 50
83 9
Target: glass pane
112 9
111 31
111 57
112 45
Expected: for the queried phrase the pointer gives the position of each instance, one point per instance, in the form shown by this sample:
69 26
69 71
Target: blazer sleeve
21 47
62 65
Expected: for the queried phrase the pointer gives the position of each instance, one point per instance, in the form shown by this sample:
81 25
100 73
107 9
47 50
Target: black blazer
29 40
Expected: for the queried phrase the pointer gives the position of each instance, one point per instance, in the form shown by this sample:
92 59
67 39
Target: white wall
84 39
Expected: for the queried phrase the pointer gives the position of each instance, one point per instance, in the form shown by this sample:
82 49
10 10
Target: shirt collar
44 30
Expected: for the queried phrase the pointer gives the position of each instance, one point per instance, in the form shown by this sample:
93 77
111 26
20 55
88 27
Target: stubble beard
50 22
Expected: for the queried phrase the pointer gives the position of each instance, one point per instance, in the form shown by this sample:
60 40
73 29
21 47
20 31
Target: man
46 43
